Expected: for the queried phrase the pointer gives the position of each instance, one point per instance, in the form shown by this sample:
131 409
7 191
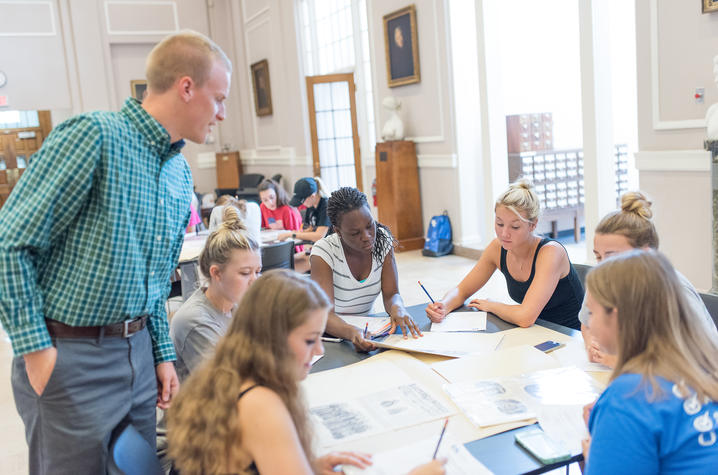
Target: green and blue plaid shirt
93 230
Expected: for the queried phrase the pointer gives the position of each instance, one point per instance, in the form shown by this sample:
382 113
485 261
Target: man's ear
185 86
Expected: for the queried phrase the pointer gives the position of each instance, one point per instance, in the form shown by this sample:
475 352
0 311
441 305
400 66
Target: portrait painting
138 89
709 6
262 91
402 47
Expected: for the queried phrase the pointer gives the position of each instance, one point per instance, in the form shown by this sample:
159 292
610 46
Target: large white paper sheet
446 344
394 408
376 325
496 401
404 459
565 424
461 322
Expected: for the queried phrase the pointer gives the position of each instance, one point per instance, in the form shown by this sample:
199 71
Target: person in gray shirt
229 262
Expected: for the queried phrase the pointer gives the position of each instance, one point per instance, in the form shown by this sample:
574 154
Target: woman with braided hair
354 264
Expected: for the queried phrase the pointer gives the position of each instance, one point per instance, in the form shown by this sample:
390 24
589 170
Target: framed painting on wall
138 89
262 90
401 46
709 6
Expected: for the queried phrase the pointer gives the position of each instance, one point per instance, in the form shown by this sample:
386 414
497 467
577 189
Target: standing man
88 240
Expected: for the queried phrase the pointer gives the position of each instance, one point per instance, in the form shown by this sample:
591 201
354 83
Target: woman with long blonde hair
659 414
242 412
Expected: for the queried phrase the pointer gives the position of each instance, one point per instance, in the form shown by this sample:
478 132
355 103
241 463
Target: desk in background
499 453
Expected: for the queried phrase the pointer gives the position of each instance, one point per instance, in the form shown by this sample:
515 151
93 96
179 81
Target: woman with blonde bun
623 230
659 413
538 272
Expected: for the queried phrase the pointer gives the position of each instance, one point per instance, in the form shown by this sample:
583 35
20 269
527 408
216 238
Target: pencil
425 291
436 451
366 327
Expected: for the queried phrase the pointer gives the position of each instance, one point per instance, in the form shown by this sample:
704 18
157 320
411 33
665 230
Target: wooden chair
711 301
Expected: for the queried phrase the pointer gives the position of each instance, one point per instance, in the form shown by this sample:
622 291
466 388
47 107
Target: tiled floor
437 274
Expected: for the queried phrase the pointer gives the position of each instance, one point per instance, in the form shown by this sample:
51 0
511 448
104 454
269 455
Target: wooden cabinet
229 168
529 132
397 192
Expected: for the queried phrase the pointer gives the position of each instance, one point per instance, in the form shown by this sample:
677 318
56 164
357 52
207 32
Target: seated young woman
230 262
658 414
623 230
356 263
276 212
310 193
539 275
243 411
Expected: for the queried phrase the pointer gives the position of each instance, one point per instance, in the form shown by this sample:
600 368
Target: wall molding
673 161
281 156
30 4
659 124
425 161
250 19
175 17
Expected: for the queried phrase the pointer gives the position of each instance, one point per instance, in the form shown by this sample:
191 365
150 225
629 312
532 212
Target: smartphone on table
548 346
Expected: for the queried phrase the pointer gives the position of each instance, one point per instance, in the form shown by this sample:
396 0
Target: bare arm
321 273
551 263
313 236
393 303
474 280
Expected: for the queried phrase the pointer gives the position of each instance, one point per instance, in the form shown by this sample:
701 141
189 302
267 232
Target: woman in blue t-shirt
659 414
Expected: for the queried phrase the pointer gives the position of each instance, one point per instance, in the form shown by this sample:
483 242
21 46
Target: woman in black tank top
539 275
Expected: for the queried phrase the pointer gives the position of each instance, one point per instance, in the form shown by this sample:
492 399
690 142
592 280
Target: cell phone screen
547 346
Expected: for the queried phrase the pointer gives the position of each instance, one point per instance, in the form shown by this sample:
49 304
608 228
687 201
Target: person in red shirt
276 212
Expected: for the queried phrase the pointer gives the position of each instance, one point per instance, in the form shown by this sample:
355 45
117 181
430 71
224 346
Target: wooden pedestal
397 191
229 168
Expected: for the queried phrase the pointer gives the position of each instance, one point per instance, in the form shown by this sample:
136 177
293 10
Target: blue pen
425 291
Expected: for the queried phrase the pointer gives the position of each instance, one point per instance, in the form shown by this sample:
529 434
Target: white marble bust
393 128
712 114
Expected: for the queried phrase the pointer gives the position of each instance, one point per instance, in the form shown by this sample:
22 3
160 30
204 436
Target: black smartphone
548 346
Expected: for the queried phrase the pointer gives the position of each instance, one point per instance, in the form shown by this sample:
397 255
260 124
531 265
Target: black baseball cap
303 188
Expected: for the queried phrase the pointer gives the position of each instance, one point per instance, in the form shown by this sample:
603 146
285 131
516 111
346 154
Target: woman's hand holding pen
436 311
360 343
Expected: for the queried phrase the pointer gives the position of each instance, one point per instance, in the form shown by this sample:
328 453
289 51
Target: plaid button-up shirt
92 231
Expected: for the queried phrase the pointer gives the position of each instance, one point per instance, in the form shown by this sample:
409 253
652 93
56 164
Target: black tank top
252 467
564 304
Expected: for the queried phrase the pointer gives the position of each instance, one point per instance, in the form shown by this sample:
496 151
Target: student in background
623 230
249 213
310 193
354 264
230 262
276 212
538 272
243 411
194 219
658 415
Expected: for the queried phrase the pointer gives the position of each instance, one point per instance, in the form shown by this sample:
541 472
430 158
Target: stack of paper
461 322
446 344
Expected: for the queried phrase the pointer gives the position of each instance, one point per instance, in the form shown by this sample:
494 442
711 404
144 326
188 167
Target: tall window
335 39
18 119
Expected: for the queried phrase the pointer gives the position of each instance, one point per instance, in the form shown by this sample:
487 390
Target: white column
598 160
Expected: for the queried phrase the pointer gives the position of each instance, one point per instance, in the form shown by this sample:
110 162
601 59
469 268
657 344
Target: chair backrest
250 180
582 270
711 301
278 256
131 454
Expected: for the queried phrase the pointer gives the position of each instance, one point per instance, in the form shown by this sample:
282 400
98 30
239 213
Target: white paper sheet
394 408
453 344
404 459
316 358
565 424
461 322
376 324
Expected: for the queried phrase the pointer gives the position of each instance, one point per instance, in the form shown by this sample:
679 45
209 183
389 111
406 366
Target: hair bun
523 184
637 203
231 219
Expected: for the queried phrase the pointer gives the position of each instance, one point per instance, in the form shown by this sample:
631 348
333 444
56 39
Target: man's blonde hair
186 53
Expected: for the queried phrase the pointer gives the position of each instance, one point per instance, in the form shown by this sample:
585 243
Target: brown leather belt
123 329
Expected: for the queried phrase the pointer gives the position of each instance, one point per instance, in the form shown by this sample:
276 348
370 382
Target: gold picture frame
138 89
709 6
401 45
261 87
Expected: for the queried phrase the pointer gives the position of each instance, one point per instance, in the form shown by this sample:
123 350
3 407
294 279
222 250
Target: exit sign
3 101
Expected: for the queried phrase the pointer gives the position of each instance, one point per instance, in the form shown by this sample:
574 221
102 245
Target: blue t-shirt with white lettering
670 434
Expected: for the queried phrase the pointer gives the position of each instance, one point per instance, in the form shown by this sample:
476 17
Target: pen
425 291
436 451
366 327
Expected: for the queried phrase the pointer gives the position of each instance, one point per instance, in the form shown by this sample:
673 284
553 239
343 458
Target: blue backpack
438 237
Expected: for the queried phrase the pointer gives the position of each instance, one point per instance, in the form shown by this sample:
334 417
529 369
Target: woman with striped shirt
354 264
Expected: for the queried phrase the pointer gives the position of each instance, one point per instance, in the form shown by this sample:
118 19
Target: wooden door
334 131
